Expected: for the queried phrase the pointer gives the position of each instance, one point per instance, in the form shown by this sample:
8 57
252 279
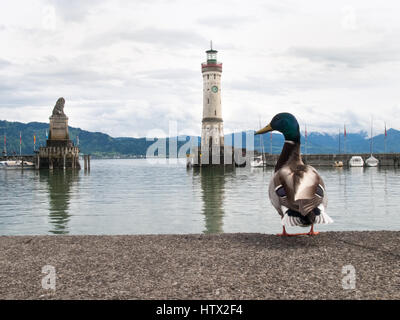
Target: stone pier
60 152
60 157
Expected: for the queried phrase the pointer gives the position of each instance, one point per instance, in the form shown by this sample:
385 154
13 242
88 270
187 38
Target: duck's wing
276 201
301 189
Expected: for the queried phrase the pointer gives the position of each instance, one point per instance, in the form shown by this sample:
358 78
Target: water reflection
212 182
59 183
356 170
134 197
385 188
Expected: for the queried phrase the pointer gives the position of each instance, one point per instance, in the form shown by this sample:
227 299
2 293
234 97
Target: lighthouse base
218 156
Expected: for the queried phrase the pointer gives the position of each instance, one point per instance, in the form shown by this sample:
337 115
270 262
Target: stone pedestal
58 127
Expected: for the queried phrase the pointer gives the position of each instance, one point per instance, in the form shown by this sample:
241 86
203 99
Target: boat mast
5 145
305 138
261 142
385 136
270 142
371 138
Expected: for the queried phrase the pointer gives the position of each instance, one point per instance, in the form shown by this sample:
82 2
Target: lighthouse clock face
214 89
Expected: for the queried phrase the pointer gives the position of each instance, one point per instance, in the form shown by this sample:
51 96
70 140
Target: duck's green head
285 123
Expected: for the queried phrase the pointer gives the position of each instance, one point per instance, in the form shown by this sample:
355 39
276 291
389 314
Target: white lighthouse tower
212 132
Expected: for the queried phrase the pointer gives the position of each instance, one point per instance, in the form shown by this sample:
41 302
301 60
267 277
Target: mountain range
102 145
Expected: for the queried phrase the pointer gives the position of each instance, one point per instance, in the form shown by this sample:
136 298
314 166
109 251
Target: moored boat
257 162
338 164
16 164
372 161
356 161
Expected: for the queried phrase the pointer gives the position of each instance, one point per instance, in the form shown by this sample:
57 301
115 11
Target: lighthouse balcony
211 66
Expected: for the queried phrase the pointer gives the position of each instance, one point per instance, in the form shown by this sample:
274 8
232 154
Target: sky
131 67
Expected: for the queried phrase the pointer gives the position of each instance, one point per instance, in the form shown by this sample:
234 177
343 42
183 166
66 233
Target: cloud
259 84
165 38
126 67
74 10
222 21
4 63
354 57
282 8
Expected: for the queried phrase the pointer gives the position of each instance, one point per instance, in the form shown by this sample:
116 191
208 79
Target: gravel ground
225 266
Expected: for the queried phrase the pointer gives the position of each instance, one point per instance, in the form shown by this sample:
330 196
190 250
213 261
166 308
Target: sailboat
371 161
258 162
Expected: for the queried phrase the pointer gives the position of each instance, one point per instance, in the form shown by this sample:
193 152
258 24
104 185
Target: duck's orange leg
312 232
285 234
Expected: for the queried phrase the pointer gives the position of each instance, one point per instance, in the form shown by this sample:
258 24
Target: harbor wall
327 160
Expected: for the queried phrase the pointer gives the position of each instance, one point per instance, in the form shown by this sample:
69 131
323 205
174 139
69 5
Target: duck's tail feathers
289 221
323 217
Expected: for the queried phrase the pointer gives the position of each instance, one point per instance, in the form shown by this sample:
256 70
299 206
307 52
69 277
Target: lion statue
59 107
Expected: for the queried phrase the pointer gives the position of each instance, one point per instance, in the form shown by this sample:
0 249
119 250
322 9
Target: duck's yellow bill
268 128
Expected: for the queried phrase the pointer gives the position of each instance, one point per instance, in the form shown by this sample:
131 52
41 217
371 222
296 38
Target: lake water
137 197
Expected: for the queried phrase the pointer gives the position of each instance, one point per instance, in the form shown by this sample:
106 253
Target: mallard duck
296 190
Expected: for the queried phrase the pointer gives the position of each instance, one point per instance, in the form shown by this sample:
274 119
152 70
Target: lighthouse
212 131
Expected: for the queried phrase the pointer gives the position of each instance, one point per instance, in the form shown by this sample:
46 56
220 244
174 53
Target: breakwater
328 160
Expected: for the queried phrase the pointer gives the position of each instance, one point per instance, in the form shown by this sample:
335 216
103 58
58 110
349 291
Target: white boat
16 164
372 161
257 162
356 161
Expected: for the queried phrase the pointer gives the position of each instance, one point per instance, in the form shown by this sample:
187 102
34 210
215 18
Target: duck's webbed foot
312 232
285 234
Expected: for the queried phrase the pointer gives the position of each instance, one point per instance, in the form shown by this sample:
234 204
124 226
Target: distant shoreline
196 266
100 143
